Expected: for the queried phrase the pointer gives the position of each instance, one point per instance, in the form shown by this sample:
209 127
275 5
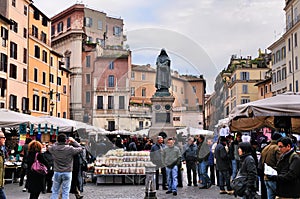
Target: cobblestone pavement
92 191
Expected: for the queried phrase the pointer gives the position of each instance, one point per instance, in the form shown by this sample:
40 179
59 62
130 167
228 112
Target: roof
3 18
263 81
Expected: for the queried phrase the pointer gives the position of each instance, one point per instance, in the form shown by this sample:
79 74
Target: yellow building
48 80
4 51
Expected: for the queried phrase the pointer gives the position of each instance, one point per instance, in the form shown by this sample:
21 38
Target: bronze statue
163 74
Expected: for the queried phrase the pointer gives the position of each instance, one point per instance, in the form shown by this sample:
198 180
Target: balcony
39 37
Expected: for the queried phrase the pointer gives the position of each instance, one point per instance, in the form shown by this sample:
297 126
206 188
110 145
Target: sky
199 35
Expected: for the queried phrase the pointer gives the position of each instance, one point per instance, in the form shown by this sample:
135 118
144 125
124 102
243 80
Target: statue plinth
162 116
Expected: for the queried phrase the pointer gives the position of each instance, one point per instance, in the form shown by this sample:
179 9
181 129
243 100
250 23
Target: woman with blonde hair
35 181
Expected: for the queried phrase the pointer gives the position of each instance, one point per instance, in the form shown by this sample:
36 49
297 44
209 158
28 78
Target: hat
276 136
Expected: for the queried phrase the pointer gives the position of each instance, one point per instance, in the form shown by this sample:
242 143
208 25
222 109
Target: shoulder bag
39 167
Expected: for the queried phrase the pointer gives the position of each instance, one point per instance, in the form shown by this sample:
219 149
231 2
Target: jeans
63 179
271 189
172 178
2 193
202 172
234 168
224 177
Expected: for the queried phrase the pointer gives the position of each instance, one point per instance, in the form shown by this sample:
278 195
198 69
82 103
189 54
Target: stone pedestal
162 116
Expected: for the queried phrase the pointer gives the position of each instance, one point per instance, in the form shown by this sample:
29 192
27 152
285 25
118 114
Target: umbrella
141 132
13 119
266 112
195 131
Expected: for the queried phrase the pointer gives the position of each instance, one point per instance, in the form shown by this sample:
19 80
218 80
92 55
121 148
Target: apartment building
92 45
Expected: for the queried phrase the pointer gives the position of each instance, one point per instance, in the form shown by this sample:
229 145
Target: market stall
119 166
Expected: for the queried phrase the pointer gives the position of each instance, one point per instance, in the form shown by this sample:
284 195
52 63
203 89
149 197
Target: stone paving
92 191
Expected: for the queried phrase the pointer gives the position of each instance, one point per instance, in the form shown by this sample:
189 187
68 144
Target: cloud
198 33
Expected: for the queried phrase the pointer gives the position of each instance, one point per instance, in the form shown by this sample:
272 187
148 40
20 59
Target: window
297 88
51 78
296 63
278 75
111 81
99 102
35 31
132 91
194 89
25 10
111 65
13 3
45 55
64 89
44 37
245 89
100 25
58 114
117 31
283 73
289 44
60 27
132 75
37 51
69 22
88 22
273 78
36 14
143 92
67 59
290 87
52 30
4 36
111 125
51 61
13 50
25 104
88 61
295 39
13 71
245 100
290 67
44 78
58 81
64 114
58 97
35 75
24 75
14 26
266 89
36 103
87 78
143 76
45 21
244 75
3 86
110 102
261 91
44 104
25 32
87 97
12 102
186 101
121 102
3 62
283 51
181 90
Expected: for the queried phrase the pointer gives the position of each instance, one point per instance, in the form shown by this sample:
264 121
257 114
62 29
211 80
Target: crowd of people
227 159
207 163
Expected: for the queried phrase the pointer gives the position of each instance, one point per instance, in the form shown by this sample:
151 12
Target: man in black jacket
156 158
288 170
189 157
223 165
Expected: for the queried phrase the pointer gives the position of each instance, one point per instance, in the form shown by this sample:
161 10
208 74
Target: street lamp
51 107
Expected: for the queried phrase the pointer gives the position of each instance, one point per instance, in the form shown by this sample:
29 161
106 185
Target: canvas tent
13 119
261 113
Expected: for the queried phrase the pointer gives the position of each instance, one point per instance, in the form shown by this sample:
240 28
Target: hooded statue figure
163 72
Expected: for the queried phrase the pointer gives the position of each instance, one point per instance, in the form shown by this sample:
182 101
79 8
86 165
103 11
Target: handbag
39 167
238 184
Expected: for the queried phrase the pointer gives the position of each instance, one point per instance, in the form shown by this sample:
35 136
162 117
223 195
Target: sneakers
230 192
24 189
223 192
174 193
